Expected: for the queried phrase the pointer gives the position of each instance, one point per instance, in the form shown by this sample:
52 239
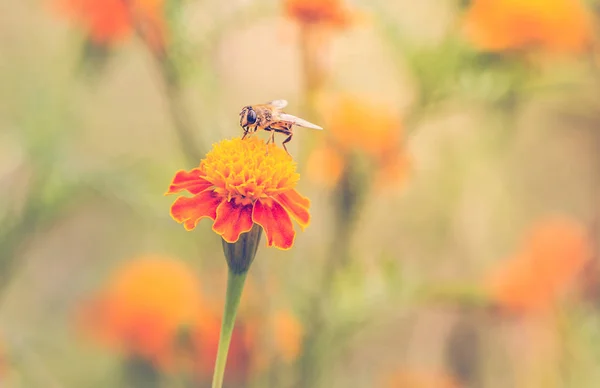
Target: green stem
235 286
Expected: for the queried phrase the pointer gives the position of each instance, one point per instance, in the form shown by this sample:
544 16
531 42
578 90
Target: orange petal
276 223
232 220
296 205
190 181
191 210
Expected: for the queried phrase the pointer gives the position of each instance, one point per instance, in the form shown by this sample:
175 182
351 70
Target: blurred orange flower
143 306
240 183
419 379
255 339
286 334
553 25
359 127
324 12
553 254
3 361
111 21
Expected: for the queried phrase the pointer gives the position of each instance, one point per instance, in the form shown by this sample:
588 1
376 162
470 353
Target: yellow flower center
247 170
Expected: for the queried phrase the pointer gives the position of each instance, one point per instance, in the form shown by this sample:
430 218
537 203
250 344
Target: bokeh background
455 192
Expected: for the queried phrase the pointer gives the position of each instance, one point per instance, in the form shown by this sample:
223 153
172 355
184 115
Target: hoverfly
269 117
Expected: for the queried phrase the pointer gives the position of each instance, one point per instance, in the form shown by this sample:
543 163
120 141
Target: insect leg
287 140
271 138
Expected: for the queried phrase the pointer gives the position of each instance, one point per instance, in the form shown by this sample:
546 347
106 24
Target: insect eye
251 116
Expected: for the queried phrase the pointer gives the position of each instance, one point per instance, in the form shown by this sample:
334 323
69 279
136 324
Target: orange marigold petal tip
191 181
190 211
276 223
232 220
296 207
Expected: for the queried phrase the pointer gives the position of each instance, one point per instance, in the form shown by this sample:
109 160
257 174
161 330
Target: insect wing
298 121
279 104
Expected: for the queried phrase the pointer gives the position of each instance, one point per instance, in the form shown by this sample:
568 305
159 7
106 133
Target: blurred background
455 192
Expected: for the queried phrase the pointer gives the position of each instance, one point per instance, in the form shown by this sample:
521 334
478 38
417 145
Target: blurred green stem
181 117
349 198
140 373
10 240
314 75
235 286
14 233
171 81
310 72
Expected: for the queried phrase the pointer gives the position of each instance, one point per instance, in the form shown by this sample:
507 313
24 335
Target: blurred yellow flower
143 306
239 184
552 25
553 254
362 127
324 12
111 21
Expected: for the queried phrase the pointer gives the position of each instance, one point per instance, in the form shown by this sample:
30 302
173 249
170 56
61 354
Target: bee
269 117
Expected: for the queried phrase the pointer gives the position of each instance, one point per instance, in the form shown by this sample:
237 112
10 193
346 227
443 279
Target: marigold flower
143 306
328 12
553 254
553 25
111 21
241 183
359 127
